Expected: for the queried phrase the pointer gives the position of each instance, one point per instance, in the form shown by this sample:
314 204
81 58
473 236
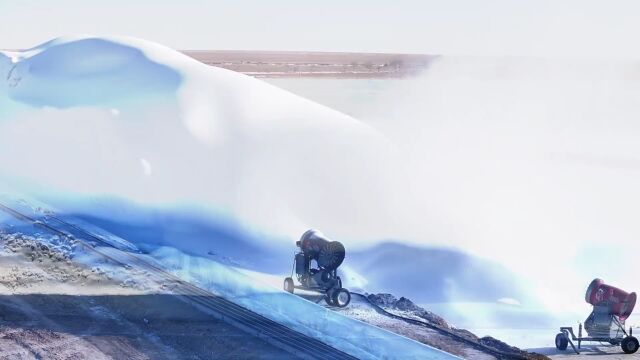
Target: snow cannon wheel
288 285
341 297
630 345
329 300
561 341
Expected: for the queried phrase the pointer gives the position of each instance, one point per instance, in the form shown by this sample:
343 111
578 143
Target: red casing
621 302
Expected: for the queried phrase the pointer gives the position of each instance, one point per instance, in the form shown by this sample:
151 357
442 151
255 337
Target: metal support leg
579 335
574 348
569 331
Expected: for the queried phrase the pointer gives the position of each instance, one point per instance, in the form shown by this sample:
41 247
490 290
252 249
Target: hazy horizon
459 27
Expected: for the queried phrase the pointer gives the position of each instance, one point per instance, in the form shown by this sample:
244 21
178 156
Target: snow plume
268 157
528 162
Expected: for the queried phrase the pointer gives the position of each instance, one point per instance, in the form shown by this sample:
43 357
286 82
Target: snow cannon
316 267
621 303
611 307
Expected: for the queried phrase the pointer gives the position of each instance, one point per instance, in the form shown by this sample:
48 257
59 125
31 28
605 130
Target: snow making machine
606 323
327 256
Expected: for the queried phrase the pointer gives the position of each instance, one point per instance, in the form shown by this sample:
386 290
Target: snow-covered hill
121 131
134 120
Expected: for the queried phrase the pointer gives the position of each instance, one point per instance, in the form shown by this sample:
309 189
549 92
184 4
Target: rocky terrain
406 308
404 317
53 307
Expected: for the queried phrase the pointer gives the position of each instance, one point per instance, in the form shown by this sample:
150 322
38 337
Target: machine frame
627 341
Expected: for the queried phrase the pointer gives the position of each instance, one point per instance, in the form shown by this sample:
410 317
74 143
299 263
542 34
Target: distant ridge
262 63
314 64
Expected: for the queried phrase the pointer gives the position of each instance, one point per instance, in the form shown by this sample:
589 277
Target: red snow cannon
605 324
620 302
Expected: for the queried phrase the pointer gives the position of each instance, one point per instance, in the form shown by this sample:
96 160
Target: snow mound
97 106
87 72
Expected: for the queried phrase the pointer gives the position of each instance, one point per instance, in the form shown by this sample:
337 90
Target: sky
450 27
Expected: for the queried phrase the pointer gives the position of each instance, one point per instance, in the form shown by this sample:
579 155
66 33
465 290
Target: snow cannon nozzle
620 302
328 254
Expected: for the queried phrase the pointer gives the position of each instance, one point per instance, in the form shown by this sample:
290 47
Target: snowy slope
96 126
341 332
